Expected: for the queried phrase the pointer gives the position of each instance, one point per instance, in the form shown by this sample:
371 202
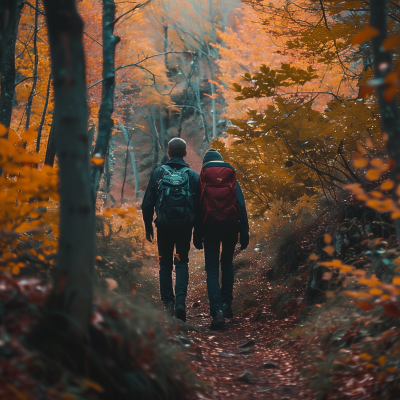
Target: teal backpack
175 199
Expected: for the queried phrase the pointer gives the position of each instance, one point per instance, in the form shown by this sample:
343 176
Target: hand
244 240
149 235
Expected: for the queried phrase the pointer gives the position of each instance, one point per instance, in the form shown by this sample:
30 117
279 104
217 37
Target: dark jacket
243 222
150 196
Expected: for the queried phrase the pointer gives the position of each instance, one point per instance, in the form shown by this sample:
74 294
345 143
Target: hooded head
211 155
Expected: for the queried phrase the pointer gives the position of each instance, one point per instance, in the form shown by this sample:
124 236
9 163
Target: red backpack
218 199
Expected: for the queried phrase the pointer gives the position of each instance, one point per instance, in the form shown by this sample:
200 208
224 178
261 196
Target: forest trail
262 369
254 341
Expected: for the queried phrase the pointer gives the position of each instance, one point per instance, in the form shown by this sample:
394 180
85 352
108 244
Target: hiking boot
180 312
227 310
218 322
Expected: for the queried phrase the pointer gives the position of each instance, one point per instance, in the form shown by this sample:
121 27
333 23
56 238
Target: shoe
218 322
227 310
180 312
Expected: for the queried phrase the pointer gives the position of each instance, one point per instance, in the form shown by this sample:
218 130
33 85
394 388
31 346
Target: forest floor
255 357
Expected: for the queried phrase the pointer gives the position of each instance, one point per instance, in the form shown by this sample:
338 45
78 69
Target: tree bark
213 100
35 69
51 147
389 109
155 142
108 88
7 67
73 287
132 156
46 103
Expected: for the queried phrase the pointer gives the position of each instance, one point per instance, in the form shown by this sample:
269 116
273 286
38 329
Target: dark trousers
167 240
212 243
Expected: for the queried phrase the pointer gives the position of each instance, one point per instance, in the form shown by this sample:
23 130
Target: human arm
244 222
148 204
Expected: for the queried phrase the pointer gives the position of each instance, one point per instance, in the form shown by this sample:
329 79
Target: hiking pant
212 243
167 240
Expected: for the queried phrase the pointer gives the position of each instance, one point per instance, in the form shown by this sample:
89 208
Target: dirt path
273 369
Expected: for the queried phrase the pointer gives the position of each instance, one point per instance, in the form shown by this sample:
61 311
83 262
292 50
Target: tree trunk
73 286
389 109
7 67
51 147
132 155
35 69
162 134
46 103
108 87
213 100
155 142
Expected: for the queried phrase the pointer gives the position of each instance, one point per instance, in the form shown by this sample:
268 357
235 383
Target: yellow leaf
373 174
333 263
327 238
313 257
329 250
366 34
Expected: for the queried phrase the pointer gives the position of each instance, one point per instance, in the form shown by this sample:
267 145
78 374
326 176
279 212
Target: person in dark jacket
220 297
168 237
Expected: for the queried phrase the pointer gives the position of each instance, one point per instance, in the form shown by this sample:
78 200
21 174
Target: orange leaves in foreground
367 34
28 216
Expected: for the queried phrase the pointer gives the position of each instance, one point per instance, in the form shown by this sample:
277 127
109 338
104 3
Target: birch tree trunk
132 156
213 100
7 67
108 88
72 291
389 109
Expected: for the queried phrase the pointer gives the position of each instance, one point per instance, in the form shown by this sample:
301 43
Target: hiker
172 193
222 216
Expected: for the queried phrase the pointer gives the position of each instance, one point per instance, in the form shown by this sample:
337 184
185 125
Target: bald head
177 147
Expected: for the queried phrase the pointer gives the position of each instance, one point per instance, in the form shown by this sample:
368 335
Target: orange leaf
391 42
373 174
375 292
97 160
361 148
99 258
365 356
360 163
396 280
329 250
327 238
387 185
382 361
15 270
379 164
313 257
366 34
